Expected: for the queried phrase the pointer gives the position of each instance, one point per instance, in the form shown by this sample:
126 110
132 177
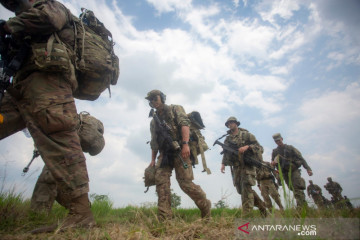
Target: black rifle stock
165 131
35 155
247 161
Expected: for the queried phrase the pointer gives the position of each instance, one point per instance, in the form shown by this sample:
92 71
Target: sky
278 66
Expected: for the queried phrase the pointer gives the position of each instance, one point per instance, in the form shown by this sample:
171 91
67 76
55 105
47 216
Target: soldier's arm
254 144
43 18
183 121
302 161
153 143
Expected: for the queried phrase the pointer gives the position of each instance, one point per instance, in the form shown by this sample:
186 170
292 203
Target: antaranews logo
302 230
245 225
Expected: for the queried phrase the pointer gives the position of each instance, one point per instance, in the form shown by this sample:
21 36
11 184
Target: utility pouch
52 56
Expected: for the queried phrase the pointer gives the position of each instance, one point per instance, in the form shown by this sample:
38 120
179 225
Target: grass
132 222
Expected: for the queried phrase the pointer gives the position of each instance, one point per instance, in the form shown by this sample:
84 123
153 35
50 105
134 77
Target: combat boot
79 215
206 210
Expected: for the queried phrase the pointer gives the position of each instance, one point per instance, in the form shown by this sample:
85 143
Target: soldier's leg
275 195
11 120
185 179
49 110
318 201
265 194
237 179
162 181
299 187
247 198
259 204
44 193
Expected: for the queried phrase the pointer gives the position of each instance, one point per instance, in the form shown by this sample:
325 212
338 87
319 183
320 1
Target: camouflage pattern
290 161
175 117
335 190
244 175
44 193
249 197
268 188
232 119
316 194
91 133
44 103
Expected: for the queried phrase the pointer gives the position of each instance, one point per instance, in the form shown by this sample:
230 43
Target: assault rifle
9 67
247 160
170 144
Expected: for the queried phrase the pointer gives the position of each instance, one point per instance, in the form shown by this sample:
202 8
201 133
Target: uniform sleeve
181 117
255 147
300 158
153 143
42 19
273 154
226 156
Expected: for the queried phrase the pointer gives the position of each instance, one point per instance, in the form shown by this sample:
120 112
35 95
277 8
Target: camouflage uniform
175 117
315 192
290 161
334 189
266 181
44 194
244 176
43 102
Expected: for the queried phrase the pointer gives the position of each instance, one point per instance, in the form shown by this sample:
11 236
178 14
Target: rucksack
91 133
96 65
149 177
197 142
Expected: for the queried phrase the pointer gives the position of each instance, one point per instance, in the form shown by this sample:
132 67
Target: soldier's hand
259 187
243 149
222 169
185 151
310 172
273 163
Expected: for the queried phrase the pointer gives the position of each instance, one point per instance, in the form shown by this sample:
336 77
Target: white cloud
269 9
331 108
163 6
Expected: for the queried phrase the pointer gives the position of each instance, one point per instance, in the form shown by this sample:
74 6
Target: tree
221 204
175 200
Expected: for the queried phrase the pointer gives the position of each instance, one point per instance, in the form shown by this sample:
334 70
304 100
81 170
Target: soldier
314 192
268 186
92 141
172 156
41 99
348 203
290 161
244 176
334 189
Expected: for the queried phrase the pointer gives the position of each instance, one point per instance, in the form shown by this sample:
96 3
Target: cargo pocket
300 184
57 118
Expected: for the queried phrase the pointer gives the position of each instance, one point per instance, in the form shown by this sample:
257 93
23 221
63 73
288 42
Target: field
132 222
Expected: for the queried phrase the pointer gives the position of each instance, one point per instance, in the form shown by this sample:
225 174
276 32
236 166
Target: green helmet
150 95
232 119
277 136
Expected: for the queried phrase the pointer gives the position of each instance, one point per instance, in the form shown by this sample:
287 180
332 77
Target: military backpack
197 142
96 65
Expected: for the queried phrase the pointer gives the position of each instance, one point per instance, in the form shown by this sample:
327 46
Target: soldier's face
279 142
156 102
232 125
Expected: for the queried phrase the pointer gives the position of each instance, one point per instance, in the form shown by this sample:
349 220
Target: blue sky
278 66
